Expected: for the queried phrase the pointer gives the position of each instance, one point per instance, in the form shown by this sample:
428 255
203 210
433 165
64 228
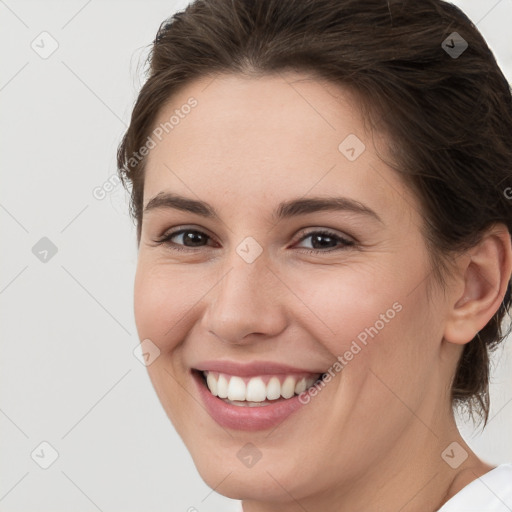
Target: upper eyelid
305 232
180 230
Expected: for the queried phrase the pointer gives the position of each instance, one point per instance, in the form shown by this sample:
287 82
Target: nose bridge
245 298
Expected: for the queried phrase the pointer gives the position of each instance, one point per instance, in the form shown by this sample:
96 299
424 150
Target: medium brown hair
448 117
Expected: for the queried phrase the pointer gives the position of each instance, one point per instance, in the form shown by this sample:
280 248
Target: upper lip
250 369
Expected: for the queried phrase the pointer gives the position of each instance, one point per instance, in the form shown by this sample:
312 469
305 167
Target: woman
320 192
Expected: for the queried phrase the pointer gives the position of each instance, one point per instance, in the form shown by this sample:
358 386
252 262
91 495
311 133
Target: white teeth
222 387
299 387
273 388
288 387
256 390
236 391
212 384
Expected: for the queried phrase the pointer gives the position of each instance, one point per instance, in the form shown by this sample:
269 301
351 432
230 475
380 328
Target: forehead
257 140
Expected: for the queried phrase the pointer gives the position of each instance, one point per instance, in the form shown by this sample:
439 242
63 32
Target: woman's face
270 288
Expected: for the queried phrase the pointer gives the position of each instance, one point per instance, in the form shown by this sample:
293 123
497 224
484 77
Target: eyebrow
286 209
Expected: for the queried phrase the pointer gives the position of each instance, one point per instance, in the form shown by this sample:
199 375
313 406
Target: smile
257 391
251 400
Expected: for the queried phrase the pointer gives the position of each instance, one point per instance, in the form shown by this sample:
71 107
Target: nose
247 304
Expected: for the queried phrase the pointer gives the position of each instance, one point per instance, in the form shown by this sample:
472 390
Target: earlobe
486 274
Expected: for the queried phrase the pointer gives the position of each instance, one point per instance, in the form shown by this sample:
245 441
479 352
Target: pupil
319 237
190 235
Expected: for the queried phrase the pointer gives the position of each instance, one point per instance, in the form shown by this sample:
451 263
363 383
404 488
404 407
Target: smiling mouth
257 391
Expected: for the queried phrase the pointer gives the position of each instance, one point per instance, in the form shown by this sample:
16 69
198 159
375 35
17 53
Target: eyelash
165 240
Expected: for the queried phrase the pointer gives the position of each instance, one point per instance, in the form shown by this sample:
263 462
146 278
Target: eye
190 236
188 239
325 241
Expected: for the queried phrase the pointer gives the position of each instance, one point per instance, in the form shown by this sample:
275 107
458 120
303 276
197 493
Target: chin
265 480
247 484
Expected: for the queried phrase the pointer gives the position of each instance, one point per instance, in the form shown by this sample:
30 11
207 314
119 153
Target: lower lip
242 417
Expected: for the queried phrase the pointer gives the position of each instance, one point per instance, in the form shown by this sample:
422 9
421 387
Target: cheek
372 318
345 306
164 300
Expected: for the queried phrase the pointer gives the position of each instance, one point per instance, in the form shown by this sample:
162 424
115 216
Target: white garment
492 492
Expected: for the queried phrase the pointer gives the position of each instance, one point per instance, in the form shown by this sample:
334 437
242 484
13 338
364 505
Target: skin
372 439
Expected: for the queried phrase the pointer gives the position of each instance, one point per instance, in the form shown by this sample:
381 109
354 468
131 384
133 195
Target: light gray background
68 374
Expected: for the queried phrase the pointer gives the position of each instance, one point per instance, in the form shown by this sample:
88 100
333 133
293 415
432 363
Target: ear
485 272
